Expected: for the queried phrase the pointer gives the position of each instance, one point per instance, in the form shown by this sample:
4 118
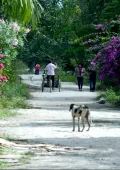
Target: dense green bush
112 96
19 67
66 77
14 95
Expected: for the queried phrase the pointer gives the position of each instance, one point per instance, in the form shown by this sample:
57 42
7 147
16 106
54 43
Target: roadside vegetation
14 92
69 32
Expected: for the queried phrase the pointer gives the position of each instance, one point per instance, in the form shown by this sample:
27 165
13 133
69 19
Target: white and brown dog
81 112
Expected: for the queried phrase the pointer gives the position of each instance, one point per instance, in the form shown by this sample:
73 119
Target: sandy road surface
49 122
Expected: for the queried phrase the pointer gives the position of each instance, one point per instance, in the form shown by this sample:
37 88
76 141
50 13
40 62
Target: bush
112 97
14 95
66 76
19 67
16 89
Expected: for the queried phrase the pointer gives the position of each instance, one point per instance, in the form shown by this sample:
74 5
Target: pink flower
18 28
4 78
15 27
2 20
27 30
1 55
1 66
3 83
15 42
92 63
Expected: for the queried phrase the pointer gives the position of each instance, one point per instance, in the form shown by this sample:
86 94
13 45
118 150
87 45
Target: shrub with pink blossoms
107 62
12 38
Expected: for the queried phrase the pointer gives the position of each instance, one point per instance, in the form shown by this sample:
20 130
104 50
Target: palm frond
24 11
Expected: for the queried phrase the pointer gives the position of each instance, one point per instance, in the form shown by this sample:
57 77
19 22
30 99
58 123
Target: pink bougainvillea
107 61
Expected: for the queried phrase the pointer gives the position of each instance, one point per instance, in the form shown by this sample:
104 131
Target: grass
7 137
14 95
4 150
112 96
15 102
70 77
4 113
4 164
26 156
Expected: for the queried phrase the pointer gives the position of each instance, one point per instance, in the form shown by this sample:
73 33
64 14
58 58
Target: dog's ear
84 106
71 106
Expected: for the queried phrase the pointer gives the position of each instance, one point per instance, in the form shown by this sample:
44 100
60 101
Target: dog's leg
88 125
73 123
87 119
78 124
83 122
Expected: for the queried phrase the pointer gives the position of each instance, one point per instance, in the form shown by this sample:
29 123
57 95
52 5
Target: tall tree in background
64 25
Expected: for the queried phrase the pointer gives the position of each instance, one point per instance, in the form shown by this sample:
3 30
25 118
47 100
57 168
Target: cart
48 83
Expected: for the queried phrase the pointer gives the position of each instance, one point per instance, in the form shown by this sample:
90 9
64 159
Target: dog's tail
89 116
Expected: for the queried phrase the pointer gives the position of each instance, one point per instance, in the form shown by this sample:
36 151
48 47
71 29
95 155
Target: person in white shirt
50 69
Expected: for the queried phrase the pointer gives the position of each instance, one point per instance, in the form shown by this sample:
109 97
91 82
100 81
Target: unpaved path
49 123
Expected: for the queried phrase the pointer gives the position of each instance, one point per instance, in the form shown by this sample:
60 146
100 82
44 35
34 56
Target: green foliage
13 103
16 89
64 26
67 77
11 40
4 113
19 67
25 12
26 156
14 95
5 150
111 10
113 97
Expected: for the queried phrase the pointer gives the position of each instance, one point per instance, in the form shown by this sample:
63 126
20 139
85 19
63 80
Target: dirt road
49 122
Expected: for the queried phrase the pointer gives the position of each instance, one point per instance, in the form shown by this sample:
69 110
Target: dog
81 112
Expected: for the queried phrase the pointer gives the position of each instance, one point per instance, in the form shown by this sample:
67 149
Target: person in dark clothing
92 77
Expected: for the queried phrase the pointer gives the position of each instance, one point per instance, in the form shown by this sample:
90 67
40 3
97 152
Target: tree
23 11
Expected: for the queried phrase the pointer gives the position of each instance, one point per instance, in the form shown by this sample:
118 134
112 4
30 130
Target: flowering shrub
107 62
3 79
12 37
104 46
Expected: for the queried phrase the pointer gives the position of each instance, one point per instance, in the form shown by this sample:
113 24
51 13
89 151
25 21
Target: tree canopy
23 11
